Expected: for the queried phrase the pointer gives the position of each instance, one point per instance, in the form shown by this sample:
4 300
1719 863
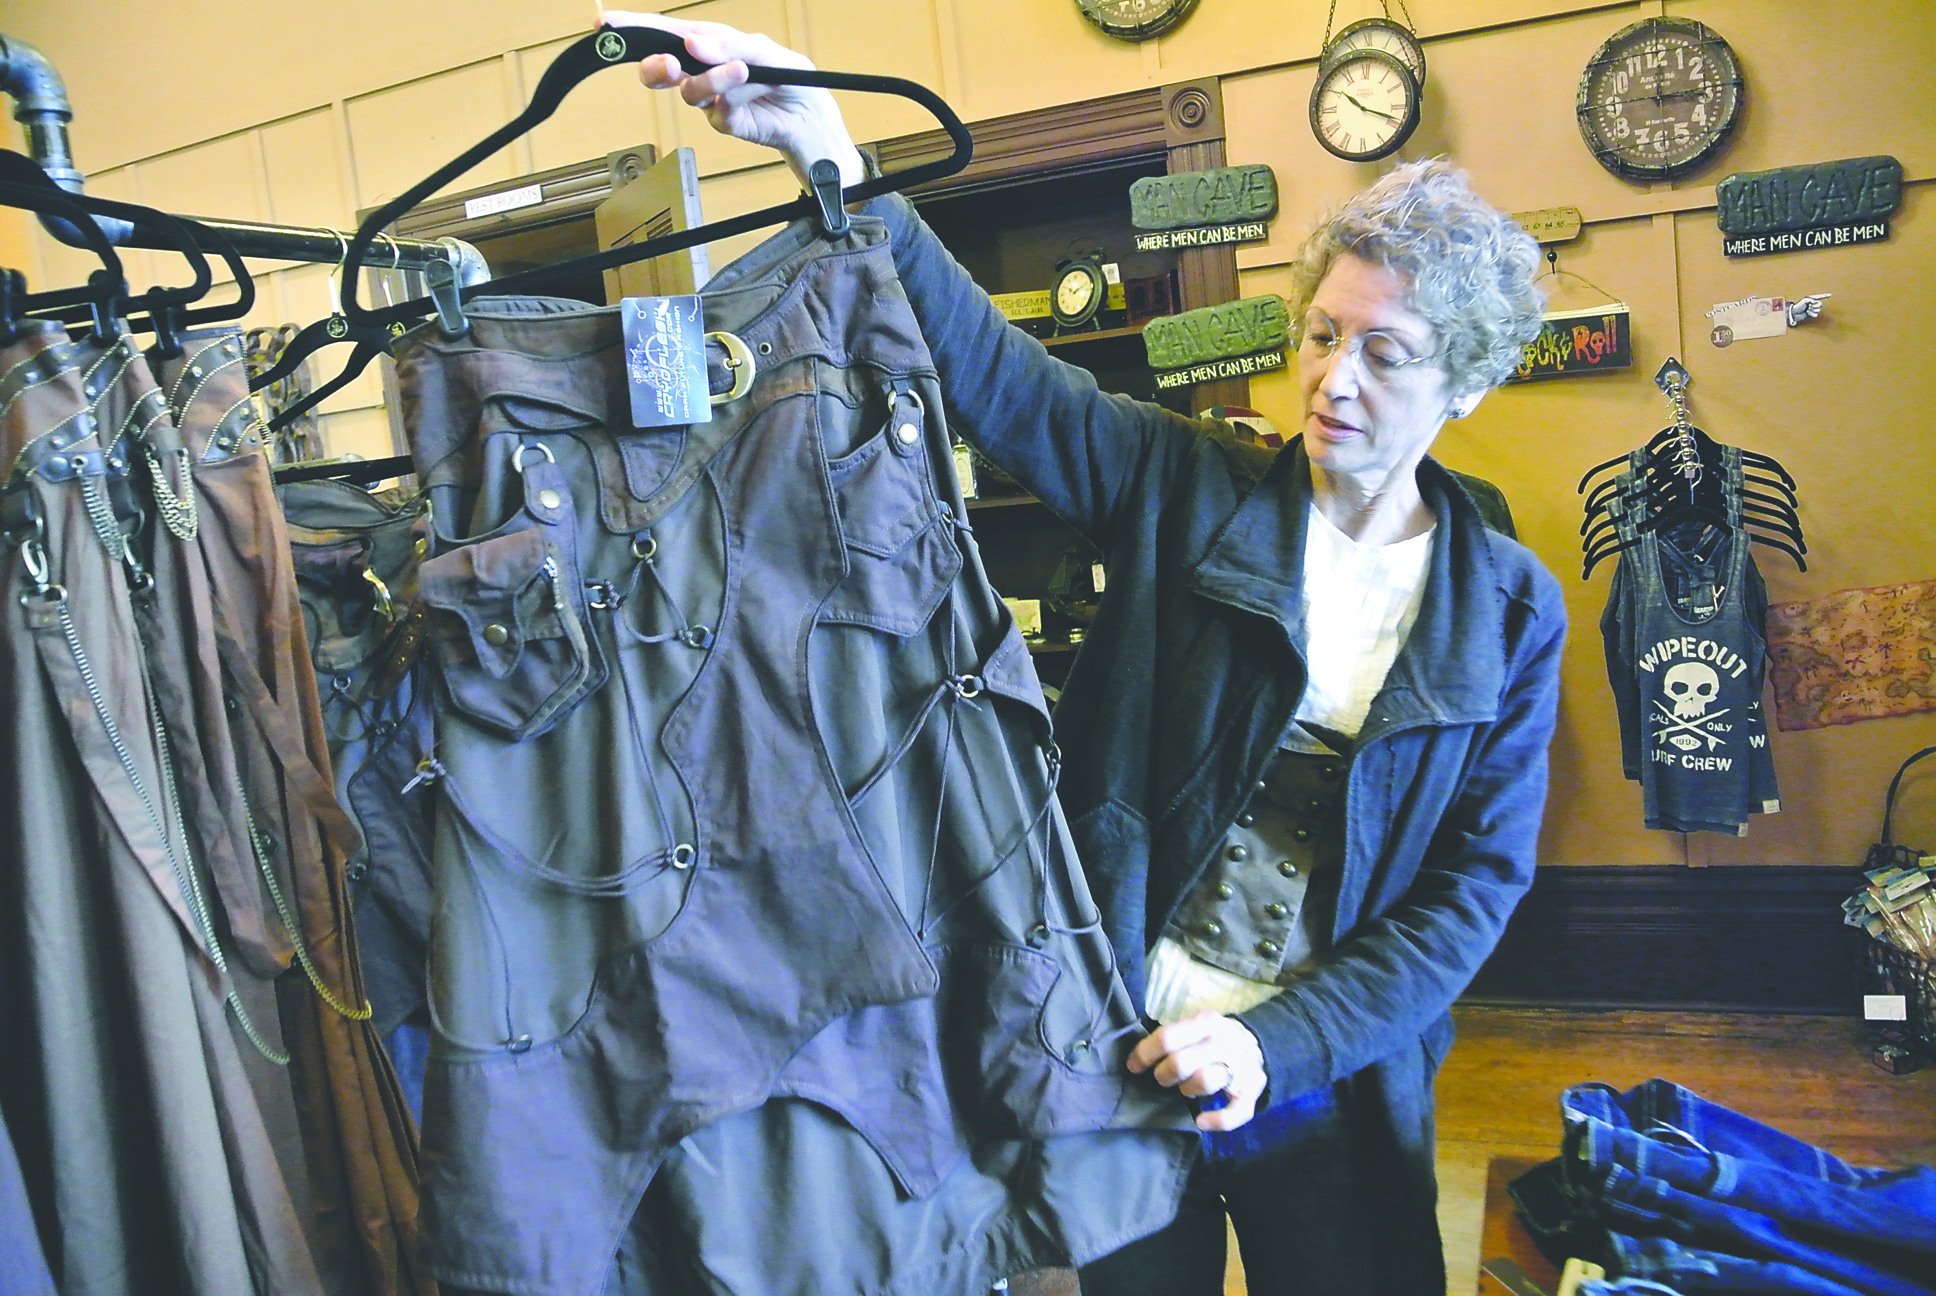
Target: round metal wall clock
1364 105
1659 98
1136 20
1385 34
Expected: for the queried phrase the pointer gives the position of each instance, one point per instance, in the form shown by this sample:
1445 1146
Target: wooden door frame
1180 123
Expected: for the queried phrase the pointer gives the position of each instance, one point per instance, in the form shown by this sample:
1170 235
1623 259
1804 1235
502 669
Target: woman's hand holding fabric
801 122
1205 1054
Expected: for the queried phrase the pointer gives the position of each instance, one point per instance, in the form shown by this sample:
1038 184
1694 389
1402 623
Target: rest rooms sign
1579 341
1823 204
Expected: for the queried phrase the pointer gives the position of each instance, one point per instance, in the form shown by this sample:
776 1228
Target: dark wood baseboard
1742 938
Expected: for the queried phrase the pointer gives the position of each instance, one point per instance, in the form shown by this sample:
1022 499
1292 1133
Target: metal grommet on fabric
517 453
644 548
604 595
739 362
683 855
1038 935
1078 1049
967 686
696 636
357 871
519 1044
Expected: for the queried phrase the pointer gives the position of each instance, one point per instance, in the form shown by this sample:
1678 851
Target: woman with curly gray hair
1304 743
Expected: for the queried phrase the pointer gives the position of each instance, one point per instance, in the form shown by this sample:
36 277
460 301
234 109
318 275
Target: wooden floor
1810 1076
1498 1095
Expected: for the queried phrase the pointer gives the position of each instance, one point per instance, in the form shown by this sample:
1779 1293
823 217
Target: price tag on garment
665 360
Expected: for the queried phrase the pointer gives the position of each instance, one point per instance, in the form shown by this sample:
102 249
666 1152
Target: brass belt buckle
739 362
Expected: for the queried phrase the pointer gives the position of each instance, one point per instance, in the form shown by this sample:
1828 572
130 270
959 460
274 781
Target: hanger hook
336 275
396 260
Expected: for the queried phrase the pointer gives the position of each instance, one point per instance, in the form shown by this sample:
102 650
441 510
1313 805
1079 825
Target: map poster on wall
1857 654
1593 340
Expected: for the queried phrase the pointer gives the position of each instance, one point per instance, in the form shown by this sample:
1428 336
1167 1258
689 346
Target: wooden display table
1505 1235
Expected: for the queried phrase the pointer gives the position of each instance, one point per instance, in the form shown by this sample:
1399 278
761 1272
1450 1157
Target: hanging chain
178 512
264 847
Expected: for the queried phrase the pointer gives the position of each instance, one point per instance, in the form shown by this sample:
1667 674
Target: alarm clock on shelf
1079 289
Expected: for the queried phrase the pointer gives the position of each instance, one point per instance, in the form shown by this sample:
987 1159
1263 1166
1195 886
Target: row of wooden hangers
1681 490
107 306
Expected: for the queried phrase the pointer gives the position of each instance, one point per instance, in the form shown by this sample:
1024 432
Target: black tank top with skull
1684 629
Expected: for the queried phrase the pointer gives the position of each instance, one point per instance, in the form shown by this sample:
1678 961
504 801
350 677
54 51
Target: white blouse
1359 603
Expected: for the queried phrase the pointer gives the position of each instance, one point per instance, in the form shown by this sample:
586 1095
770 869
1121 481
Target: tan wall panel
604 113
712 151
219 69
223 177
1022 54
1802 62
364 432
884 37
304 164
402 134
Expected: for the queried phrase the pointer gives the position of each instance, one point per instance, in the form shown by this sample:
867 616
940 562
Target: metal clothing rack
42 108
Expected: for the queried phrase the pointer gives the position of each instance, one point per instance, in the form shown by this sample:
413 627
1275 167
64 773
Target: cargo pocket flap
1010 673
481 586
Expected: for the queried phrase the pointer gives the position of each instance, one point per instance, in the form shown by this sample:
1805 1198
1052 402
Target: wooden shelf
1002 501
1100 335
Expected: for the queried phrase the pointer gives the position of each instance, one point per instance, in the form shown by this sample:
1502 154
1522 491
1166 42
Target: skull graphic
1692 687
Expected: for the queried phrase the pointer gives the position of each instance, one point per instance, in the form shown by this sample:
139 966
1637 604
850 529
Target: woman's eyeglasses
1381 356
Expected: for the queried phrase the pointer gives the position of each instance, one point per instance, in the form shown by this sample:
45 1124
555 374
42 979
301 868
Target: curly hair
1469 268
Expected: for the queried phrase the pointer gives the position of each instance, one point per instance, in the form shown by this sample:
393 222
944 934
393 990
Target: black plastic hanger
371 340
358 471
167 307
105 289
608 47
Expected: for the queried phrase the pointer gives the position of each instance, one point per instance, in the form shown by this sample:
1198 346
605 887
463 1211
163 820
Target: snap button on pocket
496 635
551 499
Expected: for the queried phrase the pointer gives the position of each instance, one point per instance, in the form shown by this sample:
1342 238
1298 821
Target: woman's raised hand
801 122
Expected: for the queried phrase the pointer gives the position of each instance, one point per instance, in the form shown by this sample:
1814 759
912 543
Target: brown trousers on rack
142 982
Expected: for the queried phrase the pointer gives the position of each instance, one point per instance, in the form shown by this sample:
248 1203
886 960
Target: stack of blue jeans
1666 1188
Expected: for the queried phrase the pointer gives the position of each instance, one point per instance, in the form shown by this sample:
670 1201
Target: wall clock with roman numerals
1659 99
1364 105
